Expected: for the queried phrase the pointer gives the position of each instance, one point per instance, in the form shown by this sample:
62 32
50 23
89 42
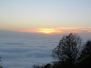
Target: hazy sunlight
46 30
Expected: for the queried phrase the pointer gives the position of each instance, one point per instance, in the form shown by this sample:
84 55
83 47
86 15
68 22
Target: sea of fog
22 50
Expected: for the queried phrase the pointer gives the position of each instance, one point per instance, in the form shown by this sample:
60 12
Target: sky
30 15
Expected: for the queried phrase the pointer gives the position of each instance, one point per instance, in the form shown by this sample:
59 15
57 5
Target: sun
46 30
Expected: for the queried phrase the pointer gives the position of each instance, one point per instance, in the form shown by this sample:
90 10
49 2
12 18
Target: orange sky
45 16
55 30
44 30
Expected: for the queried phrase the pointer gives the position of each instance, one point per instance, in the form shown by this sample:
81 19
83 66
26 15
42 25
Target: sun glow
46 30
54 30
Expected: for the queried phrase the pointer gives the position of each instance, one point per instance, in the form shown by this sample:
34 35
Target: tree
69 53
87 50
67 49
85 57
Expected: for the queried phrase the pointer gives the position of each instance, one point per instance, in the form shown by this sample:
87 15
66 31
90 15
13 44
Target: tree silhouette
87 50
67 49
85 58
69 53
